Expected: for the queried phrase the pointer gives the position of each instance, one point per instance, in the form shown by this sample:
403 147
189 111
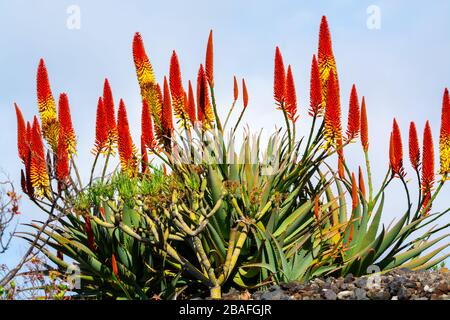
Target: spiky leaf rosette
47 107
327 63
291 96
414 151
177 91
315 90
444 136
38 168
204 110
427 166
65 123
126 147
354 117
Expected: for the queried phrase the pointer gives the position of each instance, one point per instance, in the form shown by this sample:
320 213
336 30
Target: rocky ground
400 284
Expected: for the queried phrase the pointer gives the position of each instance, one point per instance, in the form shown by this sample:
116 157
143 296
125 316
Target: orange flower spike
209 61
355 198
291 96
101 129
392 160
327 63
427 166
279 83
38 167
22 143
235 89
148 139
362 185
341 168
167 122
191 104
354 117
114 265
144 69
315 93
397 149
414 152
244 94
176 89
444 136
333 129
204 110
62 160
125 144
47 106
364 127
108 103
65 122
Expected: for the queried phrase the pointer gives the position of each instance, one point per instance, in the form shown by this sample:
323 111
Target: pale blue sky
401 68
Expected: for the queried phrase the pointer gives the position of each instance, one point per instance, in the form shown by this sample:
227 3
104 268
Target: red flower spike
397 166
235 89
144 69
209 63
65 122
204 110
89 233
364 127
167 123
326 61
62 159
279 83
333 130
315 94
444 136
244 94
38 167
191 104
427 166
355 198
341 168
291 96
362 185
414 152
125 143
316 208
176 89
354 117
148 139
101 128
108 103
22 143
47 106
144 160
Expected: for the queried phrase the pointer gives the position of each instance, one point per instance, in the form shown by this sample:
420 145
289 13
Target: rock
345 295
329 294
379 295
394 298
443 286
403 293
360 294
361 282
428 289
274 288
273 295
349 278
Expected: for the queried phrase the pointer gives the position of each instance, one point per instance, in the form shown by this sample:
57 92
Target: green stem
77 174
369 177
106 165
229 114
288 126
93 168
213 99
